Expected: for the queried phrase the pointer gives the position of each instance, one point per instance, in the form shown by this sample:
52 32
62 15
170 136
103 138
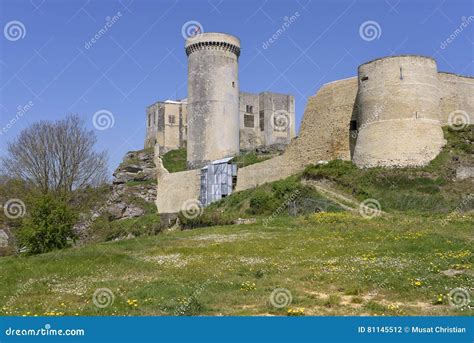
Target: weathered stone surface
4 238
245 221
452 272
137 167
464 172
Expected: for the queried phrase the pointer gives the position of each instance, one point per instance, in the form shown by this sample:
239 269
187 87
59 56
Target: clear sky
49 67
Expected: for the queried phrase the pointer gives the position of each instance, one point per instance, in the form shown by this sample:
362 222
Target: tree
56 156
48 226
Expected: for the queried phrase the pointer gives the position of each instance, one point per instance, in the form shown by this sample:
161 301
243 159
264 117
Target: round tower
398 114
213 98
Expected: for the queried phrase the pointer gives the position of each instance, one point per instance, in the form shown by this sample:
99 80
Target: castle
217 120
264 122
390 115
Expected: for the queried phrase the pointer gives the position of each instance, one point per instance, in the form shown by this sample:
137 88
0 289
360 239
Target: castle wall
398 112
457 94
389 115
279 117
151 128
250 136
176 191
213 98
324 135
324 132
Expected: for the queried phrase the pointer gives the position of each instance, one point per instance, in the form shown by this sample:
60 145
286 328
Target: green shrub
48 225
206 218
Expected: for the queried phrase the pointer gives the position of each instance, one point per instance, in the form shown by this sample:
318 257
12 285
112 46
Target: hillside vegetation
433 188
331 263
303 240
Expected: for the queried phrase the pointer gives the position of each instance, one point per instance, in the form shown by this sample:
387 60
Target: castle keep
217 120
390 115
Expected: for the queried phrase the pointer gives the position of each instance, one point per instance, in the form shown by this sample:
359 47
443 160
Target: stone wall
213 85
324 132
324 135
176 190
398 124
457 94
398 112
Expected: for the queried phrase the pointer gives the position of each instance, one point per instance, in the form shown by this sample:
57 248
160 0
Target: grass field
328 264
414 259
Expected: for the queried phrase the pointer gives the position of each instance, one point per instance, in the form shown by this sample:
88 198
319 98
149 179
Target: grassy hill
404 262
331 263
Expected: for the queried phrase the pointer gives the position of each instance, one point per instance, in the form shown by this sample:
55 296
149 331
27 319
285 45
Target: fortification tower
213 98
398 113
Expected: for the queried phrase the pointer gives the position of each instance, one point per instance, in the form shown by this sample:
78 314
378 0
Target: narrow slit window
353 125
364 78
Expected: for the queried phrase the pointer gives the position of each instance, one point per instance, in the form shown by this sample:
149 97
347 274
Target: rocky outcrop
137 166
133 191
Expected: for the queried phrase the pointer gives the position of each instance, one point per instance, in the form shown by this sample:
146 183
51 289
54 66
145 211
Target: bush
48 225
206 218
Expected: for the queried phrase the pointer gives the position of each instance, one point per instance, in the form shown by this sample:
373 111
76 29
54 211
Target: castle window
353 125
262 120
364 78
401 73
233 84
248 120
149 120
171 119
249 109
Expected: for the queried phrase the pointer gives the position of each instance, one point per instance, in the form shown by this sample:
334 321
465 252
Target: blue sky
45 66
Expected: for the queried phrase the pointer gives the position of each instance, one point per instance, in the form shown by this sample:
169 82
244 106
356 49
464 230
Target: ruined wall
398 112
324 135
150 120
249 135
213 85
279 117
457 95
176 191
324 132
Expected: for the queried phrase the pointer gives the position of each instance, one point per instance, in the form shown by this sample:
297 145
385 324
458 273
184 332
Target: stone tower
213 98
398 112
